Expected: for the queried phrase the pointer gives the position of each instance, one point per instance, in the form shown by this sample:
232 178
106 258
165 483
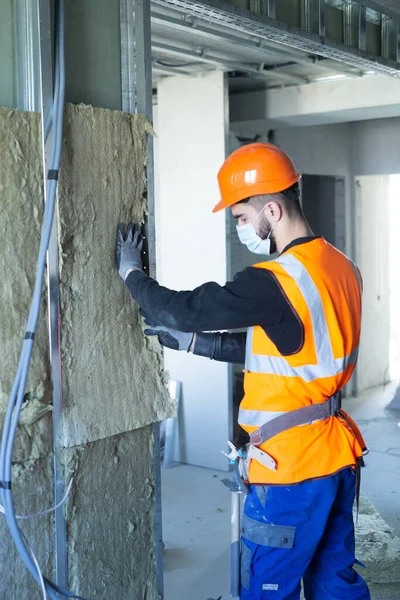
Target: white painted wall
372 256
324 102
191 244
375 150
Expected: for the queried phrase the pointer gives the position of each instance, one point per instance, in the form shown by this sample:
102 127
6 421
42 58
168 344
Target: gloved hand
172 338
128 249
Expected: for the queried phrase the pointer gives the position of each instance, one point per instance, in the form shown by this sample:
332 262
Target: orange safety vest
324 288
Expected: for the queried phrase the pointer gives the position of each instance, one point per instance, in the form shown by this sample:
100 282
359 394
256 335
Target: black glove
172 338
128 249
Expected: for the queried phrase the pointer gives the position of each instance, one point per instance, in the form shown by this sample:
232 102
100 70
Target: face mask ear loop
260 213
272 228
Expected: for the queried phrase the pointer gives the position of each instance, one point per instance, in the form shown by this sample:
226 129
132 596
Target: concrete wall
93 53
375 147
324 150
8 95
92 47
190 128
239 257
323 201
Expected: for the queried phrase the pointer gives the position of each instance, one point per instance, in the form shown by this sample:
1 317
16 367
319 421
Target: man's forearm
224 347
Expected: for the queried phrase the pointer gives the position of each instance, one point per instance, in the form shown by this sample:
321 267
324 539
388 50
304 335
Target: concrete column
372 255
8 94
190 128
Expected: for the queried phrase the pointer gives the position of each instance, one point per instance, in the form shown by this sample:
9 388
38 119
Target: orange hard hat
253 170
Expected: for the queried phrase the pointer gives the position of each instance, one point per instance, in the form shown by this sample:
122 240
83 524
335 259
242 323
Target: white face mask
250 238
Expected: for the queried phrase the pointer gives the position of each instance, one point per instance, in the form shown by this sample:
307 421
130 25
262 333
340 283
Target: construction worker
302 311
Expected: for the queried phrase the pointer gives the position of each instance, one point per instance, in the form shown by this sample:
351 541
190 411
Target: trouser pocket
245 565
265 557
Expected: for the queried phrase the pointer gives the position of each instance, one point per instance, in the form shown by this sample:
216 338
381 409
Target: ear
274 211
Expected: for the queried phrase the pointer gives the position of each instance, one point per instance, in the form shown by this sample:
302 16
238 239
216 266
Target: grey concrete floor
196 505
196 533
380 480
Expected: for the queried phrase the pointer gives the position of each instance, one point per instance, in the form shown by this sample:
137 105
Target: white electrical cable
47 511
39 571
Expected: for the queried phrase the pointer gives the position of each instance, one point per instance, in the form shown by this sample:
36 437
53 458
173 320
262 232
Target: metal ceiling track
312 34
276 51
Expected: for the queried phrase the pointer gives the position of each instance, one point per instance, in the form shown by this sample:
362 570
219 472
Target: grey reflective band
267 534
256 418
293 418
357 274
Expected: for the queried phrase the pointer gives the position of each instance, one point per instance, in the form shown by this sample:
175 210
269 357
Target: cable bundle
16 399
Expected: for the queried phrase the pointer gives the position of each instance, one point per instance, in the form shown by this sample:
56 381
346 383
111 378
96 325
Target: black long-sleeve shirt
254 297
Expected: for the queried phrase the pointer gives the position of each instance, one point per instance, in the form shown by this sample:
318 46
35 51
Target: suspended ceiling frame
293 48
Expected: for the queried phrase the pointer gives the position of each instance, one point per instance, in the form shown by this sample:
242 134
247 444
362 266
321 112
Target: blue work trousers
303 531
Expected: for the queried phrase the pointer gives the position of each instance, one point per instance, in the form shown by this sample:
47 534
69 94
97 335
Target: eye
242 221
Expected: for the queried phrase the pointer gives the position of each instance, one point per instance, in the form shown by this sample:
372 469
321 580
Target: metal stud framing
46 80
385 36
240 19
362 29
27 51
233 65
271 9
127 56
306 15
137 97
349 16
398 42
321 18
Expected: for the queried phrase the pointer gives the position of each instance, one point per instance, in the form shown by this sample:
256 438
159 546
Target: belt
300 416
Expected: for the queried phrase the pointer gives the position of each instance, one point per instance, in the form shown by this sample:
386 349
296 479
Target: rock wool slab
21 203
110 518
33 492
378 548
113 378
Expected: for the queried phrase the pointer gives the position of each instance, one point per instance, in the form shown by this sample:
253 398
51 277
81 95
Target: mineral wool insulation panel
113 378
21 203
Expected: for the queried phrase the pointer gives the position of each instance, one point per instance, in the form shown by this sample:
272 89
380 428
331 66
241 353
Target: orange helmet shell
254 170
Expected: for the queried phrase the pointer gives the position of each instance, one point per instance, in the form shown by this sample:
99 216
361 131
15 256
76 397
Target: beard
265 231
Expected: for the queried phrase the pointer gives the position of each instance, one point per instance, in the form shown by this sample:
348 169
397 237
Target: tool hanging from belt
332 407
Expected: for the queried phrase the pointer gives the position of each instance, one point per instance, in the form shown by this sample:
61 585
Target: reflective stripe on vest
327 365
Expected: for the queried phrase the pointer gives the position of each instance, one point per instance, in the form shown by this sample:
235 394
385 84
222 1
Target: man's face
246 213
